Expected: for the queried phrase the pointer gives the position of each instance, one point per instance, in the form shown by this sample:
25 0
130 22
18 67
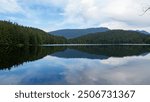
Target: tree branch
146 10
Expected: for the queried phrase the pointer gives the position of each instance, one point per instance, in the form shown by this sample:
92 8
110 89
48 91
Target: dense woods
113 37
14 34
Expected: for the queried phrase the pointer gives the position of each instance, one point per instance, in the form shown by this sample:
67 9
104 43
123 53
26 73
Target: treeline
13 34
113 37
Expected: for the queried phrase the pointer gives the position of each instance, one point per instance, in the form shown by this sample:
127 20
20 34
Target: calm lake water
98 65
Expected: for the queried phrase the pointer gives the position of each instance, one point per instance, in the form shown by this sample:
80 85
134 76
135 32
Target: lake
75 65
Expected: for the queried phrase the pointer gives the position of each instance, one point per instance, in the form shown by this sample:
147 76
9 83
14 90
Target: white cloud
124 14
82 12
127 14
127 70
122 61
116 25
116 14
9 6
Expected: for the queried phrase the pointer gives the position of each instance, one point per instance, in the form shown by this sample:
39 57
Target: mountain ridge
74 33
113 37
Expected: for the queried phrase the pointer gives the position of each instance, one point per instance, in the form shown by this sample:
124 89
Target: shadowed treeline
114 51
14 56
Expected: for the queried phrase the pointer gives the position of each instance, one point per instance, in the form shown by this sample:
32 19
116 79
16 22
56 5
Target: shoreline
95 45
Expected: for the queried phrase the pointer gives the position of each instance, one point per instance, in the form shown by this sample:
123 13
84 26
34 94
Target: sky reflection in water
56 70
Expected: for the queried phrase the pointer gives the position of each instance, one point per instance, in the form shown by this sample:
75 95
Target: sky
50 15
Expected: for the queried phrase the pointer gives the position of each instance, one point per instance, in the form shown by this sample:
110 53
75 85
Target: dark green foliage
14 34
113 37
13 56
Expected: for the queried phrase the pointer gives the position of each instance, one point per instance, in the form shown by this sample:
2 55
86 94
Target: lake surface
75 65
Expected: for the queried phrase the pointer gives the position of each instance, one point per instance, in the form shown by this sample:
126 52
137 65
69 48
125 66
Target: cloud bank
59 14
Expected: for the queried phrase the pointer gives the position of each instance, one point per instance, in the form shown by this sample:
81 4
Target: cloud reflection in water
55 70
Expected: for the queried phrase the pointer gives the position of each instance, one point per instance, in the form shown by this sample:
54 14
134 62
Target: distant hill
113 37
73 33
143 31
140 31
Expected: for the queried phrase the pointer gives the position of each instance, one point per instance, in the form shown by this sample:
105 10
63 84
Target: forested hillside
14 34
113 37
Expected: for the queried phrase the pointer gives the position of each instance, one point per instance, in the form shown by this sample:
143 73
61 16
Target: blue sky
63 14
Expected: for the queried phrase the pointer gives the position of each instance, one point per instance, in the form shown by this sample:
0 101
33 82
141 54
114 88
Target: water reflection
102 52
14 56
75 65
